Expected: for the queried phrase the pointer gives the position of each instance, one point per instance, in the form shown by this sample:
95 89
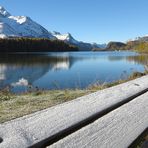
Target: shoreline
13 106
16 105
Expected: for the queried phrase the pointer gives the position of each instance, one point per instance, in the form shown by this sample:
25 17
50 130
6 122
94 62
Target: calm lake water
67 70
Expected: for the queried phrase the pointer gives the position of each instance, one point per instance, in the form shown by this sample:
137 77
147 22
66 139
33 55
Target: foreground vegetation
17 105
34 45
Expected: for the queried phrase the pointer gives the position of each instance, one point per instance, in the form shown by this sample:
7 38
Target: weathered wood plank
118 129
37 127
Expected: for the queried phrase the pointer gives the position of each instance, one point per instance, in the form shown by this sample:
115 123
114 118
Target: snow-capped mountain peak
3 12
82 45
23 26
65 37
20 26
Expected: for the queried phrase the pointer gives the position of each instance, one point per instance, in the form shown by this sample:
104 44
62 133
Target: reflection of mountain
61 65
29 67
47 70
13 73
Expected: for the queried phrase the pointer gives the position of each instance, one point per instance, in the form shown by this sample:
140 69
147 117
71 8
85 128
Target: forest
34 45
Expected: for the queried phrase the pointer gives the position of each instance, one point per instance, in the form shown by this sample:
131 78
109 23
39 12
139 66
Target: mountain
23 26
20 26
65 37
139 44
68 38
116 46
102 46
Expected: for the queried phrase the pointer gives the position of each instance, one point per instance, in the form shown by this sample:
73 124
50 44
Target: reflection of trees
116 58
33 66
30 59
30 67
140 59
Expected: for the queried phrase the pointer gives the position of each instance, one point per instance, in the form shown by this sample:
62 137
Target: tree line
34 45
142 47
138 45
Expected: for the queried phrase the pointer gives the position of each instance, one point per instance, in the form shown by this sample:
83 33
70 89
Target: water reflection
68 70
116 58
140 59
32 67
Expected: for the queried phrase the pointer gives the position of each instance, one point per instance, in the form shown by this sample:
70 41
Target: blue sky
87 20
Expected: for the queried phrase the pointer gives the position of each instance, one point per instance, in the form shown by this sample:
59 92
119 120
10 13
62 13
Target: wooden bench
117 129
113 117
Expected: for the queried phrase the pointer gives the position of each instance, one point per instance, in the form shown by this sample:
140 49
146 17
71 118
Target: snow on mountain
20 26
23 26
82 45
65 37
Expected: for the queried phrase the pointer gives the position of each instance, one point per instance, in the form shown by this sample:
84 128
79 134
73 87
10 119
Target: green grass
13 106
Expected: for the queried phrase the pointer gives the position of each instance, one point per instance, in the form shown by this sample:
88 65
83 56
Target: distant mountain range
23 26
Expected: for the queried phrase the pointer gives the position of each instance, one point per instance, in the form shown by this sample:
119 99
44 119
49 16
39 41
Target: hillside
140 45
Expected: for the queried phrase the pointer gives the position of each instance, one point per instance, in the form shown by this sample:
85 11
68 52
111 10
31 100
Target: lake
67 70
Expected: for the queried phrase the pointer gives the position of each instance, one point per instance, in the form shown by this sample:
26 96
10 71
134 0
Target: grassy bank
13 106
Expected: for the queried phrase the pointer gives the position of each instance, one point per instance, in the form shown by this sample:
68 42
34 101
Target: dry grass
18 105
13 106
